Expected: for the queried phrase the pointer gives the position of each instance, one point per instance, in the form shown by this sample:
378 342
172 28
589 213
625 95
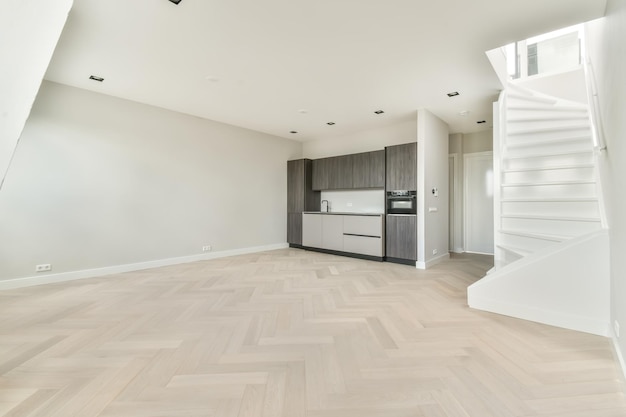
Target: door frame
456 219
466 210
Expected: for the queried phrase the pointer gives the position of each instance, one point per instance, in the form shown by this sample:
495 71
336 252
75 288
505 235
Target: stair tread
542 183
528 97
542 142
550 200
551 218
514 249
564 109
549 129
548 168
554 238
546 154
535 118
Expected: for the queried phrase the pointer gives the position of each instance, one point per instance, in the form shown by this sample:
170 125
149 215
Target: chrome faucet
325 208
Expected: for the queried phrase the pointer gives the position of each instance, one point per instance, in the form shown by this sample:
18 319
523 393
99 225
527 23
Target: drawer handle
353 234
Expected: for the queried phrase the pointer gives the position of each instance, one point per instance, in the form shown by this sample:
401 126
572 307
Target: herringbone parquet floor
291 333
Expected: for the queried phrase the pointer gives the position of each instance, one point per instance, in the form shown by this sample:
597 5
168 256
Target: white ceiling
257 63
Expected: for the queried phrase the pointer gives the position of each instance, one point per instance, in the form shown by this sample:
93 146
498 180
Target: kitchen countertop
342 213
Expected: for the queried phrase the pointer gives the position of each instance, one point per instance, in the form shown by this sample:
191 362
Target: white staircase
547 189
551 242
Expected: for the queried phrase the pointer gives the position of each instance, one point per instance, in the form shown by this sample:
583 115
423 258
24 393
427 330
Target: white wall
364 141
432 172
98 181
569 85
30 30
607 51
355 201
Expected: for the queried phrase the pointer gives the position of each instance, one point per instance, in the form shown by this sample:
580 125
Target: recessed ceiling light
175 1
330 123
481 121
379 112
453 94
463 112
96 78
211 78
293 131
303 111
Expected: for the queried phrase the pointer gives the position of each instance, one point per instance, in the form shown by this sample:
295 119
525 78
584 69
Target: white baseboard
118 269
431 262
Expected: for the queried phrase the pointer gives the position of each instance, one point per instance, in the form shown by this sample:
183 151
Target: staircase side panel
566 286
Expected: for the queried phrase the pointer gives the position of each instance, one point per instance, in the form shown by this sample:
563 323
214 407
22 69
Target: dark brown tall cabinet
402 167
401 229
300 197
401 242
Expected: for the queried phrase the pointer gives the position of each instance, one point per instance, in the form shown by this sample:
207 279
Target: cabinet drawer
364 245
363 225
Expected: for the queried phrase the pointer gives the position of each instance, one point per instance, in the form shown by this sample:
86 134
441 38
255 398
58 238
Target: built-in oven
401 202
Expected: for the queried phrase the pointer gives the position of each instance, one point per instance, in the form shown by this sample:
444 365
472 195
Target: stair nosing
552 238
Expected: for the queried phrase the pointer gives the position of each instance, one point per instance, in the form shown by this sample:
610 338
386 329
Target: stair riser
505 257
551 227
568 123
549 148
582 209
573 174
526 243
545 112
574 134
551 191
541 161
514 101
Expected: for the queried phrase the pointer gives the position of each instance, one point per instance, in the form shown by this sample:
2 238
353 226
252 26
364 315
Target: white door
478 192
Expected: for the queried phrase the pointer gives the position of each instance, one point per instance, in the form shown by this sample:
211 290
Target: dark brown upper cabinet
368 170
356 171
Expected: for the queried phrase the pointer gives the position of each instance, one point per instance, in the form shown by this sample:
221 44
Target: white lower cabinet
312 230
344 233
332 232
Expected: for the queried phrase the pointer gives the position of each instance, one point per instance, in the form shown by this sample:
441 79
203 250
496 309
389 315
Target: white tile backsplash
355 201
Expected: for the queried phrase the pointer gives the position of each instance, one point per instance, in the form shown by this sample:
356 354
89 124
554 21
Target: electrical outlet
435 251
206 248
616 328
43 267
